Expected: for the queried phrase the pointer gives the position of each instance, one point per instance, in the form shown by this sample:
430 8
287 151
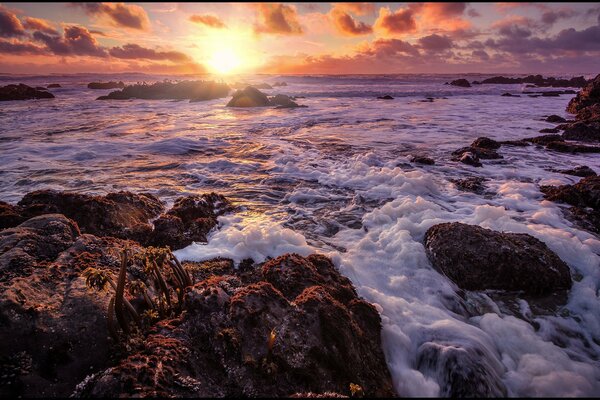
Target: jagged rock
461 83
189 220
589 113
584 196
123 214
294 325
22 92
485 143
106 85
555 118
9 216
476 258
587 96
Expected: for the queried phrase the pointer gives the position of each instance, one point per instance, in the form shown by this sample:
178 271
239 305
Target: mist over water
336 178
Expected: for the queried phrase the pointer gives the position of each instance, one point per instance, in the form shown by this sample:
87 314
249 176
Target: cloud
389 48
402 21
446 16
346 24
132 51
76 41
515 26
119 14
10 26
435 43
8 47
208 20
38 24
277 18
551 17
356 8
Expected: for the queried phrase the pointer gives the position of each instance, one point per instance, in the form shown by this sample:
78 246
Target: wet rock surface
53 86
564 147
422 160
555 119
583 171
461 83
482 148
474 184
584 197
583 131
587 96
252 97
476 258
386 97
22 92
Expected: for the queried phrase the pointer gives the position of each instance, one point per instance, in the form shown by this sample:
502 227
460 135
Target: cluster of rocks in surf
106 85
289 326
186 90
23 92
252 97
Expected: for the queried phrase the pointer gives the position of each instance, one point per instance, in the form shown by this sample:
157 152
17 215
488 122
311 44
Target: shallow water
336 178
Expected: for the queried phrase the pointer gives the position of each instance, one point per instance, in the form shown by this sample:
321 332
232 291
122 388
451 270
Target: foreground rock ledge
476 258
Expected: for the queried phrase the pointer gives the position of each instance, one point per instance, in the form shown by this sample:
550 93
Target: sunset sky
319 38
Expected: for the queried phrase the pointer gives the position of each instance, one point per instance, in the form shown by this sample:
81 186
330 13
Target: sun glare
224 61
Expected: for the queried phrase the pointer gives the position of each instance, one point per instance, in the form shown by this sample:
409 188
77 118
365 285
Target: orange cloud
402 21
208 20
356 8
277 18
38 24
76 41
119 14
346 24
132 51
446 16
10 26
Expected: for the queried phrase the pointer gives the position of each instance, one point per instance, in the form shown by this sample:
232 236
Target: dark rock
544 139
189 220
186 90
123 214
40 88
53 85
476 83
549 130
551 94
584 131
472 154
106 85
584 196
467 157
471 184
587 96
520 143
485 143
22 92
249 97
583 171
510 95
564 147
283 101
423 160
461 83
10 216
538 80
476 258
589 113
295 326
555 118
386 97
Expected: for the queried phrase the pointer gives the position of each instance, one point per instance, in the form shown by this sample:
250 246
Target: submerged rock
22 92
466 156
461 83
386 97
549 130
476 258
555 118
584 197
471 184
544 139
510 95
186 90
53 85
283 101
106 85
423 160
294 325
583 171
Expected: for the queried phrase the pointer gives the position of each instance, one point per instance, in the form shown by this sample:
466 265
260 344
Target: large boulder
476 258
9 215
185 90
587 96
584 197
249 97
122 214
189 220
283 101
22 92
294 325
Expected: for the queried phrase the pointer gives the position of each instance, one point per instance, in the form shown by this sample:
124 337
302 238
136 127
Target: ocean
336 178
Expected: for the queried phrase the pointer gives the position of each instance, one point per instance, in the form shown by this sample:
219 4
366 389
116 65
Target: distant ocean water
335 177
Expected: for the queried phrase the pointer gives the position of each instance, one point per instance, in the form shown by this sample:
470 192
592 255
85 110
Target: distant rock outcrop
22 92
106 85
252 97
186 90
537 80
53 85
461 83
476 258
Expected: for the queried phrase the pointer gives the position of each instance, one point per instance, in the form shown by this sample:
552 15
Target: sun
224 61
